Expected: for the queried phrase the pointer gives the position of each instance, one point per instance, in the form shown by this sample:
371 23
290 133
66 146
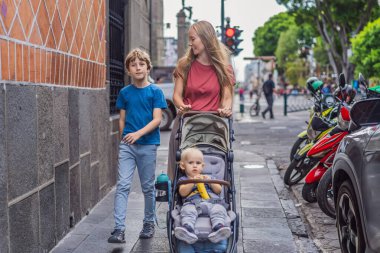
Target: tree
266 37
337 21
287 47
366 50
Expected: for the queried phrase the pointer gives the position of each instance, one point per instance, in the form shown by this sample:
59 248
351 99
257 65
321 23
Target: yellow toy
202 191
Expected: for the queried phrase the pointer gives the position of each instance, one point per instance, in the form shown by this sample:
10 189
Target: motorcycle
324 193
324 150
321 122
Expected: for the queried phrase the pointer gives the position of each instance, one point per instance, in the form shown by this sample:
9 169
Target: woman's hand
225 112
184 108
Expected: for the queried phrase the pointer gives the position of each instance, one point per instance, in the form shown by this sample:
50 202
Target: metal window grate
116 47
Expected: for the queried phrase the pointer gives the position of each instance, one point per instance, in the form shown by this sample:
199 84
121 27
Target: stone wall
57 142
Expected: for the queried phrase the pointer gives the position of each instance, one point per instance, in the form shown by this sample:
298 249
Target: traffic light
231 38
237 40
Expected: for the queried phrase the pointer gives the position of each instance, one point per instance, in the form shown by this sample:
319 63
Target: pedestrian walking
268 89
140 107
203 80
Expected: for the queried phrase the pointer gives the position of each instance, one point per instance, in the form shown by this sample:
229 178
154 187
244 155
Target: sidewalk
265 215
263 223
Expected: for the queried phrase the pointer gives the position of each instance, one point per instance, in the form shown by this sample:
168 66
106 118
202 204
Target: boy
140 107
192 164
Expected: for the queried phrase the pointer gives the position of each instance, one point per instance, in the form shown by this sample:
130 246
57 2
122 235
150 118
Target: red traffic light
230 32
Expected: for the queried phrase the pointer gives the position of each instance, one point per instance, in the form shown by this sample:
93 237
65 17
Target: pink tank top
202 89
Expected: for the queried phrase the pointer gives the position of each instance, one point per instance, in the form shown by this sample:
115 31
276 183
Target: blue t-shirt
138 104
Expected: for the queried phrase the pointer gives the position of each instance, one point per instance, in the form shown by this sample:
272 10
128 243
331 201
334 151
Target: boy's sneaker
186 234
117 236
220 233
147 230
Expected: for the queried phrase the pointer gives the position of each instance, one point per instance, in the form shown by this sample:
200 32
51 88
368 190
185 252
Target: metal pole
285 104
222 19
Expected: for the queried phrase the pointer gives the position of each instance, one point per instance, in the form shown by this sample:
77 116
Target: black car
356 181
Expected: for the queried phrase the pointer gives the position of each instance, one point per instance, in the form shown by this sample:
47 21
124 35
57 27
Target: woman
203 80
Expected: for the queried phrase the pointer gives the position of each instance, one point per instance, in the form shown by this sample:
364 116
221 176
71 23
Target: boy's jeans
130 156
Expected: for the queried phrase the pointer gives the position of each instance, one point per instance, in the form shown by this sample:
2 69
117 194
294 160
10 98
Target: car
356 180
169 113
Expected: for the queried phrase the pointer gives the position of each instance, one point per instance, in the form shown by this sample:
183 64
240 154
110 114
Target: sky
248 14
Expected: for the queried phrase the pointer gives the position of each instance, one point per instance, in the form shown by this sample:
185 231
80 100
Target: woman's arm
225 109
178 95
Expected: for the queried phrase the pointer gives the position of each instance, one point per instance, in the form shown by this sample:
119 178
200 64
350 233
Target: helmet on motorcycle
313 84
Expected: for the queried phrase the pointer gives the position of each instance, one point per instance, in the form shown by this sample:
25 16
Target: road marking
278 127
253 166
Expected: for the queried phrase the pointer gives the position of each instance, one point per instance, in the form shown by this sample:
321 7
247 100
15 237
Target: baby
192 164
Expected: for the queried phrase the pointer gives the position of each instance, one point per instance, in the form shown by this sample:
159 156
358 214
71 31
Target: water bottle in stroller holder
163 188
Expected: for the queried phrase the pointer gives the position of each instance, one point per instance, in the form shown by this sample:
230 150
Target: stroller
211 134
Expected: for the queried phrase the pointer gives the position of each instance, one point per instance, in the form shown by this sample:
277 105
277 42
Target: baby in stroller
196 200
212 137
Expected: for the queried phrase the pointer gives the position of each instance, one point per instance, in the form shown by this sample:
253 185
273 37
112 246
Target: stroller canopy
205 129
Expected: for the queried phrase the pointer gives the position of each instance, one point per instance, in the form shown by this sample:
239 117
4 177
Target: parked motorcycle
324 191
324 150
320 123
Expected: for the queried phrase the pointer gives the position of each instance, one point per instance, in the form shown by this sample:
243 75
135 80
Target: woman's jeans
130 156
204 247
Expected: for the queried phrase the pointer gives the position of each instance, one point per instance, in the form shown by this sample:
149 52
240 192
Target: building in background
61 66
171 55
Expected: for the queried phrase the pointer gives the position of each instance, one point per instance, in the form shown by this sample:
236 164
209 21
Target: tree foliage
320 53
336 21
366 50
266 37
287 47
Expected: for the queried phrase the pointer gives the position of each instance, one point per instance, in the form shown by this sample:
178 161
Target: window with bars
116 50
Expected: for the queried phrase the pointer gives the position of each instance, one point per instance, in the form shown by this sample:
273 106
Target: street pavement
272 217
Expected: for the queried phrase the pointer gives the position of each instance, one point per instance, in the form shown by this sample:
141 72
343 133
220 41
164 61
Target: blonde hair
186 152
216 51
137 53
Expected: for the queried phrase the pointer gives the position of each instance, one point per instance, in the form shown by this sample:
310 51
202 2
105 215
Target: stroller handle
206 181
191 113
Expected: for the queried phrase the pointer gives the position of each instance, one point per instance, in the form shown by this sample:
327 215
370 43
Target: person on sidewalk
140 107
268 89
203 80
192 164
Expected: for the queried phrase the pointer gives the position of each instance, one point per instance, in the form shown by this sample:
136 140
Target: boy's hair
188 151
140 54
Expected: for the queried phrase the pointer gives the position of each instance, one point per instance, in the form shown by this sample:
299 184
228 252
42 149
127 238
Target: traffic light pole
222 19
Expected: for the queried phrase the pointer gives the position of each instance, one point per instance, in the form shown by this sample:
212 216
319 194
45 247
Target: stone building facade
58 140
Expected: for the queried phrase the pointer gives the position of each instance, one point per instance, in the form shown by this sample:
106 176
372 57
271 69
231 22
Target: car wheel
167 118
349 225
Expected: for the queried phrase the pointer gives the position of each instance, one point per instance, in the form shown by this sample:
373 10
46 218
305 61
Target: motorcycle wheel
309 192
325 195
294 173
300 142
